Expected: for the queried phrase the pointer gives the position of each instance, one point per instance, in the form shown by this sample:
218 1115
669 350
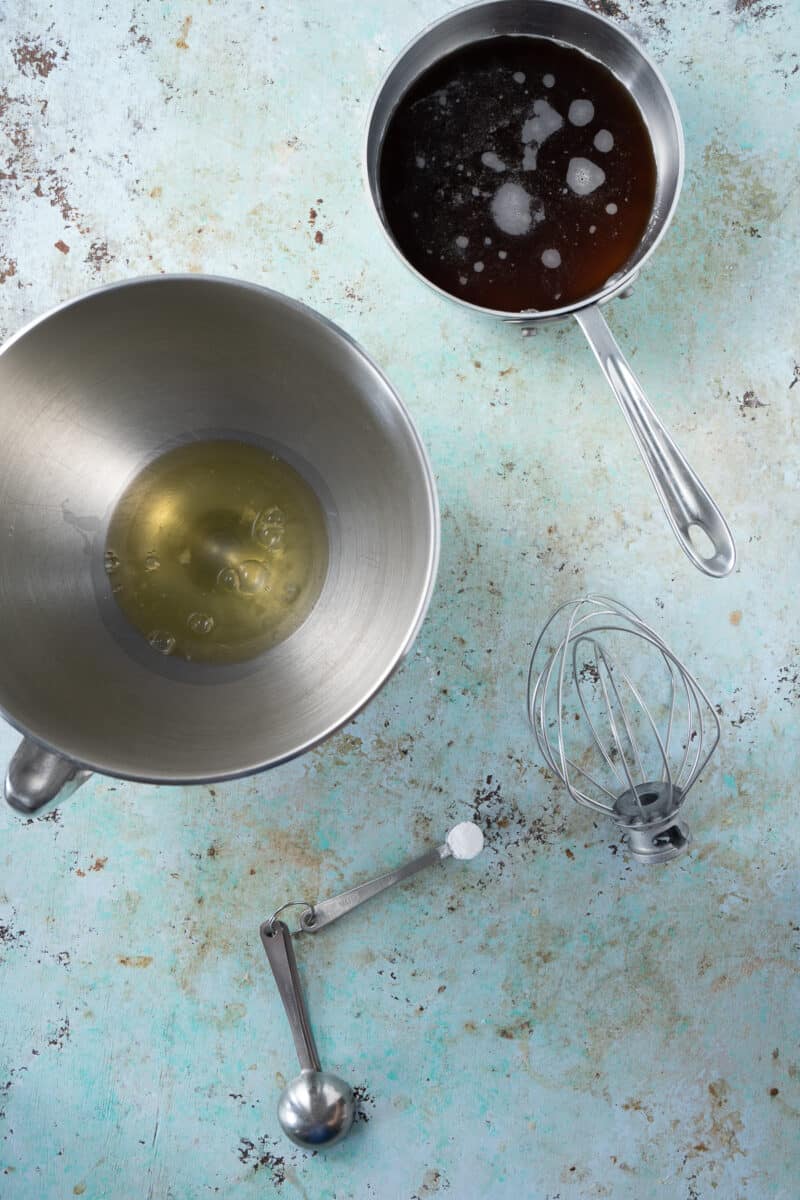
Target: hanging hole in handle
701 542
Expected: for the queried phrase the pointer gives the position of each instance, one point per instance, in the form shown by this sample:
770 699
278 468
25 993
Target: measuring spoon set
317 1108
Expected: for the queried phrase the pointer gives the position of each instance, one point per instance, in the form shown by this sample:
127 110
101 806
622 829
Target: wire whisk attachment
621 721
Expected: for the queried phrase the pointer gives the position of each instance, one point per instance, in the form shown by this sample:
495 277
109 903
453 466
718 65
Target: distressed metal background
549 1021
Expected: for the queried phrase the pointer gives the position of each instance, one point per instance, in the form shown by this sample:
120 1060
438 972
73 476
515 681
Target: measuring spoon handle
683 497
328 910
277 942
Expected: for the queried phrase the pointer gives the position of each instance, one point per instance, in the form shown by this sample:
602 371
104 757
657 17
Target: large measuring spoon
317 1108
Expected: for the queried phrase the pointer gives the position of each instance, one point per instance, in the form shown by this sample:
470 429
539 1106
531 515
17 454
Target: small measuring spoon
317 1108
464 841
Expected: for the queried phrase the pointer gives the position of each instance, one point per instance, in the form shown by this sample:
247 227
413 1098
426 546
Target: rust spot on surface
723 1124
98 864
8 268
569 853
79 1189
182 43
140 39
773 1091
312 216
606 8
155 193
521 1028
735 617
212 851
62 246
634 1105
755 8
33 58
319 237
135 960
99 254
748 403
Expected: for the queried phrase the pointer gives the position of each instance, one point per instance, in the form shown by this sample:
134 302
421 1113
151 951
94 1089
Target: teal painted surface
549 1021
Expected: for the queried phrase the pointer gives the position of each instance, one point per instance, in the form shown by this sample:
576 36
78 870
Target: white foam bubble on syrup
462 279
476 191
529 158
487 241
491 160
502 254
518 77
611 209
580 112
604 141
592 229
462 242
465 840
477 266
543 124
511 209
583 176
551 258
420 161
548 80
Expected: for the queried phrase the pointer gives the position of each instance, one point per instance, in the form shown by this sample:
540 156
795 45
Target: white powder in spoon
465 840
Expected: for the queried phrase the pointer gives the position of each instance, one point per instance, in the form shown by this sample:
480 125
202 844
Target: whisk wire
645 767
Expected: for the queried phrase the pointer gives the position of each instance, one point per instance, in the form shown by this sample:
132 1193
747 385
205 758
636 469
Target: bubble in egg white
603 141
548 80
583 176
611 209
518 77
228 578
580 112
511 209
551 258
162 641
200 623
491 160
253 577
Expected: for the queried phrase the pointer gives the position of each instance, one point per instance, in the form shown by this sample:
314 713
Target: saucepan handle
686 502
38 780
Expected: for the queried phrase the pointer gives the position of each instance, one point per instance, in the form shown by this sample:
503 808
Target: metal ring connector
309 910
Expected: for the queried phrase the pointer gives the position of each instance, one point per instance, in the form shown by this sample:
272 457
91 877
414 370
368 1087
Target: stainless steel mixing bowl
696 521
91 393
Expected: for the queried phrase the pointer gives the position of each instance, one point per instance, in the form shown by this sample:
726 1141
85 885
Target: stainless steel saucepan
696 521
93 392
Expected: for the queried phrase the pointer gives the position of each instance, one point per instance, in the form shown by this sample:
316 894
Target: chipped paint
549 1020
